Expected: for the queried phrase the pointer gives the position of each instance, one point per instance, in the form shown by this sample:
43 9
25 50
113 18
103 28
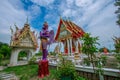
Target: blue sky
93 16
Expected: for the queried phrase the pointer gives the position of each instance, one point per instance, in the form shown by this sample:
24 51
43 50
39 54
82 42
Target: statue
46 37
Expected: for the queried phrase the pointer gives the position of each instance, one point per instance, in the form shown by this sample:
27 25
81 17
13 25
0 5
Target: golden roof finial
16 26
11 30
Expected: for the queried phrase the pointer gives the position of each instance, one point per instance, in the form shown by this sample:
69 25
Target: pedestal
43 69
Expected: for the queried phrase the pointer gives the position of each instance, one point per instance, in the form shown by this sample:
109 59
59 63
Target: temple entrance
24 55
23 43
21 56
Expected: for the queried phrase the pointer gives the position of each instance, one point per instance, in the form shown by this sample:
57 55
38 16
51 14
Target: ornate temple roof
74 30
22 35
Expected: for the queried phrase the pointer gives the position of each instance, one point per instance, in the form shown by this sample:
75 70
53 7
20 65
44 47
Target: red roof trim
58 30
71 27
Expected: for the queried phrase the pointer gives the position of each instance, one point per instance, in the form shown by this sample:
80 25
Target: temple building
69 33
22 40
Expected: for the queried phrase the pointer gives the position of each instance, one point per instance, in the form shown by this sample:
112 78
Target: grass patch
29 72
23 72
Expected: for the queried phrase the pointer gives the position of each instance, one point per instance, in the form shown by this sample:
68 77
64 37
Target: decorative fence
87 72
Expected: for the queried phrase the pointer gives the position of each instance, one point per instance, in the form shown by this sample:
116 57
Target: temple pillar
77 46
59 47
68 46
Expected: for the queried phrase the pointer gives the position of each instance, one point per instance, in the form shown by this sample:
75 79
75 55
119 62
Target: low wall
87 72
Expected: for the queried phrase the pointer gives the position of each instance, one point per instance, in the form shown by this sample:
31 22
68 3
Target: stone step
6 76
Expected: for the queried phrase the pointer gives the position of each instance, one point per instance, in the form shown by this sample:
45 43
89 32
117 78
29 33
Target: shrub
65 68
32 60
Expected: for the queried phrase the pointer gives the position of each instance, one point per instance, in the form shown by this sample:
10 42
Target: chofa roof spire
26 23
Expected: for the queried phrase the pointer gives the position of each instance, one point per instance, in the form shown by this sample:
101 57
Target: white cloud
44 3
83 3
33 11
9 15
96 17
103 24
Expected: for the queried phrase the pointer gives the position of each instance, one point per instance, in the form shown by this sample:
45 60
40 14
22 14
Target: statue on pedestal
46 37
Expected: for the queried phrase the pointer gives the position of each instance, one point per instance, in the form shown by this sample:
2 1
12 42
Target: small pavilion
69 33
22 40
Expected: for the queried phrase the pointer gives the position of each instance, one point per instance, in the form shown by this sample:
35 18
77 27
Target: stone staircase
6 76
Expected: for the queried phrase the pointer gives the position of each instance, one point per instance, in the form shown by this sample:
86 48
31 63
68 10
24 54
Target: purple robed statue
46 37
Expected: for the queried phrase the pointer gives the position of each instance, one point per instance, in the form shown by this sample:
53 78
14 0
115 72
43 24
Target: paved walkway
6 76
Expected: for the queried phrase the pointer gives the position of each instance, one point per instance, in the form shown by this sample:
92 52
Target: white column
71 46
68 46
77 45
59 47
14 57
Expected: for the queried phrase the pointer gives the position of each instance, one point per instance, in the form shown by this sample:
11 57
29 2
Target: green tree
117 44
89 47
5 50
1 57
39 53
22 54
117 3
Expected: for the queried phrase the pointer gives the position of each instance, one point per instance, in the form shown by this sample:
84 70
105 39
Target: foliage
32 60
103 59
100 62
89 44
89 47
38 54
117 44
53 53
29 72
117 3
65 68
79 78
24 77
117 55
22 54
1 57
5 50
86 61
25 72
